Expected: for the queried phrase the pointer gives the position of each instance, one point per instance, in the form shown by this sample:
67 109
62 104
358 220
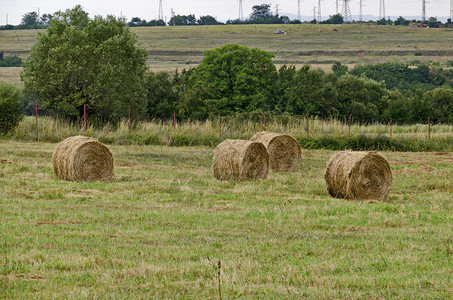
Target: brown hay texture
80 158
358 175
284 150
240 160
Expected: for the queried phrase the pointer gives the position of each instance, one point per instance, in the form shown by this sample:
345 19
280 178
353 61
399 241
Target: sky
221 9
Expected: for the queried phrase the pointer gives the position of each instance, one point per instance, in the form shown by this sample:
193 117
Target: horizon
223 10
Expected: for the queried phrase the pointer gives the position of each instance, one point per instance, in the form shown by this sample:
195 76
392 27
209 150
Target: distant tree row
97 63
261 14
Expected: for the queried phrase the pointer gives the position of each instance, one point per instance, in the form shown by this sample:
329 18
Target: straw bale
80 158
358 175
284 150
240 160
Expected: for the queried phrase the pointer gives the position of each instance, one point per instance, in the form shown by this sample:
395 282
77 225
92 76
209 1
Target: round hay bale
240 160
80 158
284 150
358 175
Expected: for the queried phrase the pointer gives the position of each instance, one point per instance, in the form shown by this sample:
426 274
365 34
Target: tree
338 69
312 91
361 97
234 78
156 23
433 23
161 95
45 19
179 20
80 61
335 19
401 21
262 11
207 20
441 100
11 112
30 19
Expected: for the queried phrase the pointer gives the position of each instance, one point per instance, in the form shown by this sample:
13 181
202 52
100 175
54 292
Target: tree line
96 64
261 14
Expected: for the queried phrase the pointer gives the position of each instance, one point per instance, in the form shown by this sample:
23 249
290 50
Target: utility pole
346 11
314 13
451 9
319 11
173 16
276 9
423 11
336 7
360 15
160 15
241 13
6 19
382 10
298 10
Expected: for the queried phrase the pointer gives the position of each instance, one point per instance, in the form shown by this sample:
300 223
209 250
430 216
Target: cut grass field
164 223
181 47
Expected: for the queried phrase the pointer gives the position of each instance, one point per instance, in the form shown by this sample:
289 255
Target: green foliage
441 101
401 21
80 61
182 20
30 19
262 12
233 78
311 91
161 95
373 143
335 19
11 110
433 22
208 20
408 80
339 69
10 61
361 97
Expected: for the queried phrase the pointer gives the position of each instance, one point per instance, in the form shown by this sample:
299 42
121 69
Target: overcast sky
222 9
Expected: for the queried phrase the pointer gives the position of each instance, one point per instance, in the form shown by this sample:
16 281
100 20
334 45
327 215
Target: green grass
331 134
319 45
160 228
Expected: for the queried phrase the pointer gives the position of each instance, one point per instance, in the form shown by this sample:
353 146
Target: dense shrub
11 111
10 61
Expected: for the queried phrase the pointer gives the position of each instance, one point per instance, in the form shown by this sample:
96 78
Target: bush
10 61
11 112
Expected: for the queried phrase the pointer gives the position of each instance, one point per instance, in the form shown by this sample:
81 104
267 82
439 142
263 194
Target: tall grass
323 134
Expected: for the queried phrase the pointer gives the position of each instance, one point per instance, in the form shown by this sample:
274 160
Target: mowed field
179 47
165 228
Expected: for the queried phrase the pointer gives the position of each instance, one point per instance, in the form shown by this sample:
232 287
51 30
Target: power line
451 9
314 13
381 10
319 11
424 10
336 7
298 10
346 11
276 9
173 16
360 15
241 13
161 12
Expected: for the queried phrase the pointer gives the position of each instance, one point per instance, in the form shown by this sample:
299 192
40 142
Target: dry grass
158 232
182 46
